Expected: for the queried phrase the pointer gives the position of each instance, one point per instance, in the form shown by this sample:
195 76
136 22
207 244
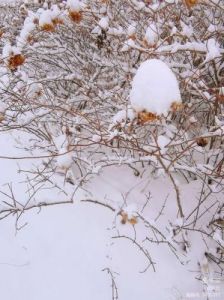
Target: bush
70 94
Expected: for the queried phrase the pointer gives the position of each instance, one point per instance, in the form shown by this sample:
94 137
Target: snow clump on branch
154 88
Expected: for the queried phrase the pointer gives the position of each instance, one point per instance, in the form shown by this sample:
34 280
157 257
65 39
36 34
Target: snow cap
154 88
74 5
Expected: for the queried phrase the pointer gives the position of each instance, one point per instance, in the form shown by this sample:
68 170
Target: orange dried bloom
176 106
133 221
132 37
57 21
125 219
48 27
144 117
15 61
146 44
191 3
75 16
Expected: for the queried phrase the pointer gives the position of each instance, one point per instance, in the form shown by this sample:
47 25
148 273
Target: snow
115 31
211 28
104 23
4 79
8 1
74 5
45 18
64 159
221 91
151 35
55 11
7 50
179 222
154 88
217 236
162 143
3 107
139 5
96 138
193 120
213 50
27 29
131 210
62 249
123 115
128 45
131 29
174 30
187 30
33 89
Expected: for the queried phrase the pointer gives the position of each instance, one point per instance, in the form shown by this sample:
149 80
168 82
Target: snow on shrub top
27 29
74 5
154 88
45 18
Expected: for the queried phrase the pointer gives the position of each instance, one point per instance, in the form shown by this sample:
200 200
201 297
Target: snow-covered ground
62 250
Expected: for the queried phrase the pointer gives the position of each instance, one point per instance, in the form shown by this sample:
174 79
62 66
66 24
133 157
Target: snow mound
154 88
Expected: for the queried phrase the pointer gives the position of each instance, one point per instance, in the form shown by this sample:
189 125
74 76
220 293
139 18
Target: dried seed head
133 221
36 21
15 61
132 37
57 21
48 27
124 217
176 106
202 142
75 16
144 117
191 3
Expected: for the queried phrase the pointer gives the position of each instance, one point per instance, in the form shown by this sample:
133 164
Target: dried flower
15 61
76 16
